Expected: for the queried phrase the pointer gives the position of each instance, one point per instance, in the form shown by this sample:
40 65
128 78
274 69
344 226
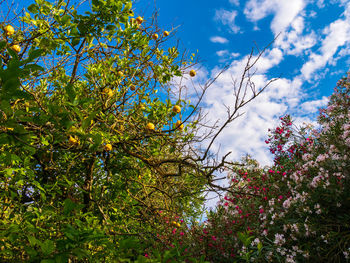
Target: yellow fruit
155 36
9 30
193 73
108 147
73 141
165 33
179 125
139 20
132 87
16 48
120 73
177 109
142 107
110 93
150 126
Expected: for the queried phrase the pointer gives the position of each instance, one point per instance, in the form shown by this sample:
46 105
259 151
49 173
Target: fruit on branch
73 141
177 109
132 87
150 126
120 74
108 147
9 30
193 73
165 33
16 48
139 20
179 125
155 36
108 91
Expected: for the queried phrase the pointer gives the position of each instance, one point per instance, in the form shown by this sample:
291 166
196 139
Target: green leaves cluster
82 81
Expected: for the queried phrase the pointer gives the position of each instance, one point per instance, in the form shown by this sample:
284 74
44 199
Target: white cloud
294 41
288 21
218 39
320 3
225 55
337 35
221 53
227 18
284 12
235 2
314 105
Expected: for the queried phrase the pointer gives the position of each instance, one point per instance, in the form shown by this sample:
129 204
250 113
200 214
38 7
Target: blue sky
310 55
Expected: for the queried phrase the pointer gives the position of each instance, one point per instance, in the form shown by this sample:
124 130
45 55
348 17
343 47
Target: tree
91 158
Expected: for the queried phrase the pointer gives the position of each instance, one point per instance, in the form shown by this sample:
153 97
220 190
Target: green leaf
127 6
33 68
33 54
70 92
65 19
69 205
129 243
47 247
33 8
2 44
33 241
75 41
260 246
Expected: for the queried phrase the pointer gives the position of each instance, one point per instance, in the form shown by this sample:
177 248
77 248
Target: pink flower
261 211
181 233
146 255
213 238
174 231
226 204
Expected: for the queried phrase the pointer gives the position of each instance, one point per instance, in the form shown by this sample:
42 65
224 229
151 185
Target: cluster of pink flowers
294 210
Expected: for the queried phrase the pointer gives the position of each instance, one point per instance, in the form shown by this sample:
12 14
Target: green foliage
64 98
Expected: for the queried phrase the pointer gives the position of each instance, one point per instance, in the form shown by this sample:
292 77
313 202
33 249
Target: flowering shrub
298 209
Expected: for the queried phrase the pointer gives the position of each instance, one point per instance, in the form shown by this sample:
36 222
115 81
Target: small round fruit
193 73
165 33
120 74
177 109
132 87
155 36
179 125
73 141
108 91
9 30
16 48
150 126
108 147
139 20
